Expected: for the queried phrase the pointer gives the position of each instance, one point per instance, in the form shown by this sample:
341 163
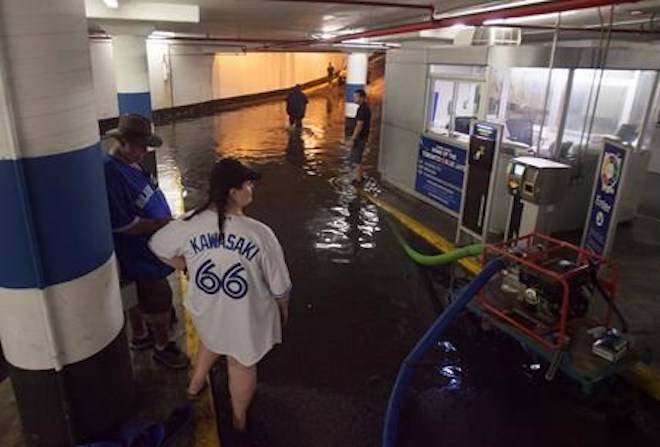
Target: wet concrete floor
359 306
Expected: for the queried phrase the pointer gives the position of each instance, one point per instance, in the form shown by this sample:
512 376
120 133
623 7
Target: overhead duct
488 36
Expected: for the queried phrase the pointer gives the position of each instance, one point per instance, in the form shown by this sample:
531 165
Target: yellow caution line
644 377
425 233
206 429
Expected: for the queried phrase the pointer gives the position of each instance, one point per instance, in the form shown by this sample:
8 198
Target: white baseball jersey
234 278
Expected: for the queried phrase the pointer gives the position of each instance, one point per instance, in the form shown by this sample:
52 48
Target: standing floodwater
359 305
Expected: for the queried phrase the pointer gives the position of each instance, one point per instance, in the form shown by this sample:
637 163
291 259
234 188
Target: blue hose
391 429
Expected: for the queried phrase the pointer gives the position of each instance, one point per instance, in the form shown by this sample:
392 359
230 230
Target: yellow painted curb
644 377
206 428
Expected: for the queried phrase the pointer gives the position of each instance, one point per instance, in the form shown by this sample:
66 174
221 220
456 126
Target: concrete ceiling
295 20
277 20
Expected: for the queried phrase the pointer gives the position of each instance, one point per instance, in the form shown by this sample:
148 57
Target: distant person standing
296 104
358 140
331 73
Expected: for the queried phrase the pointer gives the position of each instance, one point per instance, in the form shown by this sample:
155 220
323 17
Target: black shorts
357 152
154 296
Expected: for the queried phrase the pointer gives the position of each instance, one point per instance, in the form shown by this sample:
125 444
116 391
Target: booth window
452 106
619 113
649 131
516 98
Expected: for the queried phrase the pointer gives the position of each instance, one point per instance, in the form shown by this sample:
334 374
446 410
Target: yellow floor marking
206 429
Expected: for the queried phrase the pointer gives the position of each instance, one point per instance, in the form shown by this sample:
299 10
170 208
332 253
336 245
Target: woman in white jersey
239 284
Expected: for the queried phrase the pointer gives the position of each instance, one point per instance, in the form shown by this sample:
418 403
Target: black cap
136 129
230 173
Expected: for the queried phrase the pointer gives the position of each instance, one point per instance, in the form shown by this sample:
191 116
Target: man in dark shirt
358 140
296 103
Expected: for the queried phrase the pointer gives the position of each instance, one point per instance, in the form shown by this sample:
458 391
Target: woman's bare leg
242 385
203 364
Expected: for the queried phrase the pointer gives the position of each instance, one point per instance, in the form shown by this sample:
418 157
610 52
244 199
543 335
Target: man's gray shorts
357 152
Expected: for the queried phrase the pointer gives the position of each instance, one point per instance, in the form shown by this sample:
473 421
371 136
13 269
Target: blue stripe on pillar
67 202
139 103
352 88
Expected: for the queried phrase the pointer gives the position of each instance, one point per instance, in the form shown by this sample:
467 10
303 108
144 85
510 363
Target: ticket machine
536 185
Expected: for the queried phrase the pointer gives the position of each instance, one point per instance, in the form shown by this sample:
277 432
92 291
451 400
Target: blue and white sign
440 172
602 218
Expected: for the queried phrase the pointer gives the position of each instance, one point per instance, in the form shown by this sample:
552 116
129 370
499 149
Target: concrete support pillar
356 78
61 319
129 55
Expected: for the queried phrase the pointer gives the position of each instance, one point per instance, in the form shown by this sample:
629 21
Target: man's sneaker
143 343
171 356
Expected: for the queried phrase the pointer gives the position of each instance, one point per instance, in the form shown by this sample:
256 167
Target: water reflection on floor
259 135
359 305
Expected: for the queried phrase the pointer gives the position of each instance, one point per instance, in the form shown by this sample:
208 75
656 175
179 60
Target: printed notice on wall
602 219
440 172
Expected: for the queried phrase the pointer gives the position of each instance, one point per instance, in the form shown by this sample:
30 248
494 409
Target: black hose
593 271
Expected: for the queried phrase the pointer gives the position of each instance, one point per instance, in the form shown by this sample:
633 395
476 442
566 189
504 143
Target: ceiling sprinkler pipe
474 19
428 7
581 29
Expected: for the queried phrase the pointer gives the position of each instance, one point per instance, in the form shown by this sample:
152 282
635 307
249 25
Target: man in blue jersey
137 210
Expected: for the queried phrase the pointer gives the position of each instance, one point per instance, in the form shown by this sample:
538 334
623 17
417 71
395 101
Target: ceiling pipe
598 29
183 39
474 19
230 39
428 7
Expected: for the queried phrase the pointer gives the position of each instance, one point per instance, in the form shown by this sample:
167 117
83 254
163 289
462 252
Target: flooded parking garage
359 305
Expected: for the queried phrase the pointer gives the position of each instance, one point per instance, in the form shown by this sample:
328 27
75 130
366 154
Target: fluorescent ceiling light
328 29
114 4
148 11
492 8
527 19
161 35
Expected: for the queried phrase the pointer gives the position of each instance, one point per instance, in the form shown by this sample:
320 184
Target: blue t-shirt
133 194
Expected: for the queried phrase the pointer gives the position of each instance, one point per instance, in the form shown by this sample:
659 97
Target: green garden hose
434 260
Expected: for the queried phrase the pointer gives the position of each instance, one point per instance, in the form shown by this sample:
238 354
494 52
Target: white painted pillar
129 53
61 317
356 79
131 67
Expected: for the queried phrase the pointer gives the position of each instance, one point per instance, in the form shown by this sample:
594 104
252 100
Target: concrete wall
654 165
237 75
404 104
182 75
105 89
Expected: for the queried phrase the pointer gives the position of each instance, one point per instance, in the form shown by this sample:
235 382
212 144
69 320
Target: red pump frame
526 243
